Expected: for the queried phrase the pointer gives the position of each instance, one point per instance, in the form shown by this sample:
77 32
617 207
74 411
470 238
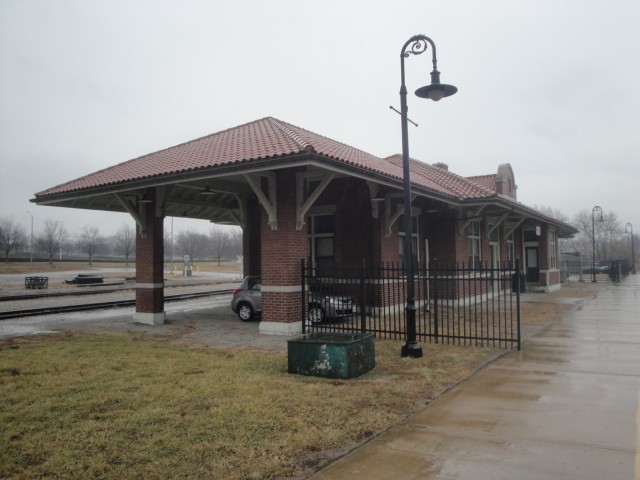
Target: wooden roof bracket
133 210
389 218
138 213
467 221
302 205
497 224
268 203
511 228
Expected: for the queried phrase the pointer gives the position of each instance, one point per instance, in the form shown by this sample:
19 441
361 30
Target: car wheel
316 314
245 312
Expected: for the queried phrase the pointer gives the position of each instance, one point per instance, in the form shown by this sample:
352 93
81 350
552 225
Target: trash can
615 270
523 282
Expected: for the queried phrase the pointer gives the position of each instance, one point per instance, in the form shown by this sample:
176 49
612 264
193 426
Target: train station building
299 196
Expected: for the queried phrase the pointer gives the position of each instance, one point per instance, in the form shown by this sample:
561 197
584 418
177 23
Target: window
494 245
414 243
511 250
553 257
474 245
321 230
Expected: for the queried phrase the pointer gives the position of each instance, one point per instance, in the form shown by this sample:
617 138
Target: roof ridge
181 144
482 176
288 130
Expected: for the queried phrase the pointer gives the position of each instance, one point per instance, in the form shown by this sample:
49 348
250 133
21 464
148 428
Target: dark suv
247 302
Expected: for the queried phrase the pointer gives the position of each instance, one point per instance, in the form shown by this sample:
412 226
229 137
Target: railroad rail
102 305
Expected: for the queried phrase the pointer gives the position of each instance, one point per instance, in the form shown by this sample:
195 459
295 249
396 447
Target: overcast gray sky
550 86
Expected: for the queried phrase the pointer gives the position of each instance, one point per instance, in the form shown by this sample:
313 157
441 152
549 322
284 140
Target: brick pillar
282 252
150 268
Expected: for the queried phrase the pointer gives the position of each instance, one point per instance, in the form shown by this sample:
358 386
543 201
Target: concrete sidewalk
566 407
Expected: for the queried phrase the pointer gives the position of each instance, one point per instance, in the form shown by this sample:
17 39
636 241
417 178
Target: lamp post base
411 349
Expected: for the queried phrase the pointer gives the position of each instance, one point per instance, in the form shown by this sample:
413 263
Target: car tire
245 312
315 314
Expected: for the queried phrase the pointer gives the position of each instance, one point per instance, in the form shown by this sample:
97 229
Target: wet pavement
566 407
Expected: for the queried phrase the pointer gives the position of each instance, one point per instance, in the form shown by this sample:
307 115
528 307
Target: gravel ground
84 296
205 321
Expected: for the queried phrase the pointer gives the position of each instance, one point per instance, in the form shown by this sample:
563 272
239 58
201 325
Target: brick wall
150 263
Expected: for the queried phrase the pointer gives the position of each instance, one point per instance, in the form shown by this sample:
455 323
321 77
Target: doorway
533 268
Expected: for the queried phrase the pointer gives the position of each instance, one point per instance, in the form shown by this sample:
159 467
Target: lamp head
207 191
436 91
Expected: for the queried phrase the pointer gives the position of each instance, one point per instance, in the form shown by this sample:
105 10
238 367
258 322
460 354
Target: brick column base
283 306
149 299
150 269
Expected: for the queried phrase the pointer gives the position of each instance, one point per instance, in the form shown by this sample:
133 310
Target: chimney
441 165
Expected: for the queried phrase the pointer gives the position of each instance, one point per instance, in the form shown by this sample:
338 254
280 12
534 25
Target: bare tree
50 240
125 241
12 236
611 229
218 242
192 243
552 212
235 241
596 234
90 241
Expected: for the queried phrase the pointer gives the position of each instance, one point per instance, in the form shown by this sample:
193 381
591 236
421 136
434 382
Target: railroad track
102 305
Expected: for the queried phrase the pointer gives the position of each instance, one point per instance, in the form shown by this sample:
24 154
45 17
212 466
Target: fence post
363 319
518 324
436 292
304 295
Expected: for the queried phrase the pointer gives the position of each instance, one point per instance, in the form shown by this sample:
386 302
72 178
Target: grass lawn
27 267
125 405
130 406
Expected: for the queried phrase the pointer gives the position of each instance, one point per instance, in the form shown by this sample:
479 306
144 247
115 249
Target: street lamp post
435 91
31 239
593 241
628 228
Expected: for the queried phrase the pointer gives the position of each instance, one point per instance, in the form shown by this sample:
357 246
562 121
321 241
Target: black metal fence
455 304
613 271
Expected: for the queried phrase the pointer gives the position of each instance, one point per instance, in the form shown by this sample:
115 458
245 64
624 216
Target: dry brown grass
27 267
130 406
550 306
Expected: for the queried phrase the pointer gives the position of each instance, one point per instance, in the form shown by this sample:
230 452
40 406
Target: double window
475 255
553 257
511 251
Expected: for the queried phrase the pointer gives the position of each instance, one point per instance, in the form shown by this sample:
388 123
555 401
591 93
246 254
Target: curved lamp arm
417 45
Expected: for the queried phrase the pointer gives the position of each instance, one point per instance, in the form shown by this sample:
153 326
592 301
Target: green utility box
332 355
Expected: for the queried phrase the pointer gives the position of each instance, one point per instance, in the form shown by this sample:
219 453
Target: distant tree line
611 239
606 232
52 240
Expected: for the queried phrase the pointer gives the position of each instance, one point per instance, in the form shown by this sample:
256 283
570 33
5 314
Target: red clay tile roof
261 139
443 181
487 181
264 139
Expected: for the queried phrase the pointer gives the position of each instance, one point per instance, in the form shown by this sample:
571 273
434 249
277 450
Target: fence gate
455 304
